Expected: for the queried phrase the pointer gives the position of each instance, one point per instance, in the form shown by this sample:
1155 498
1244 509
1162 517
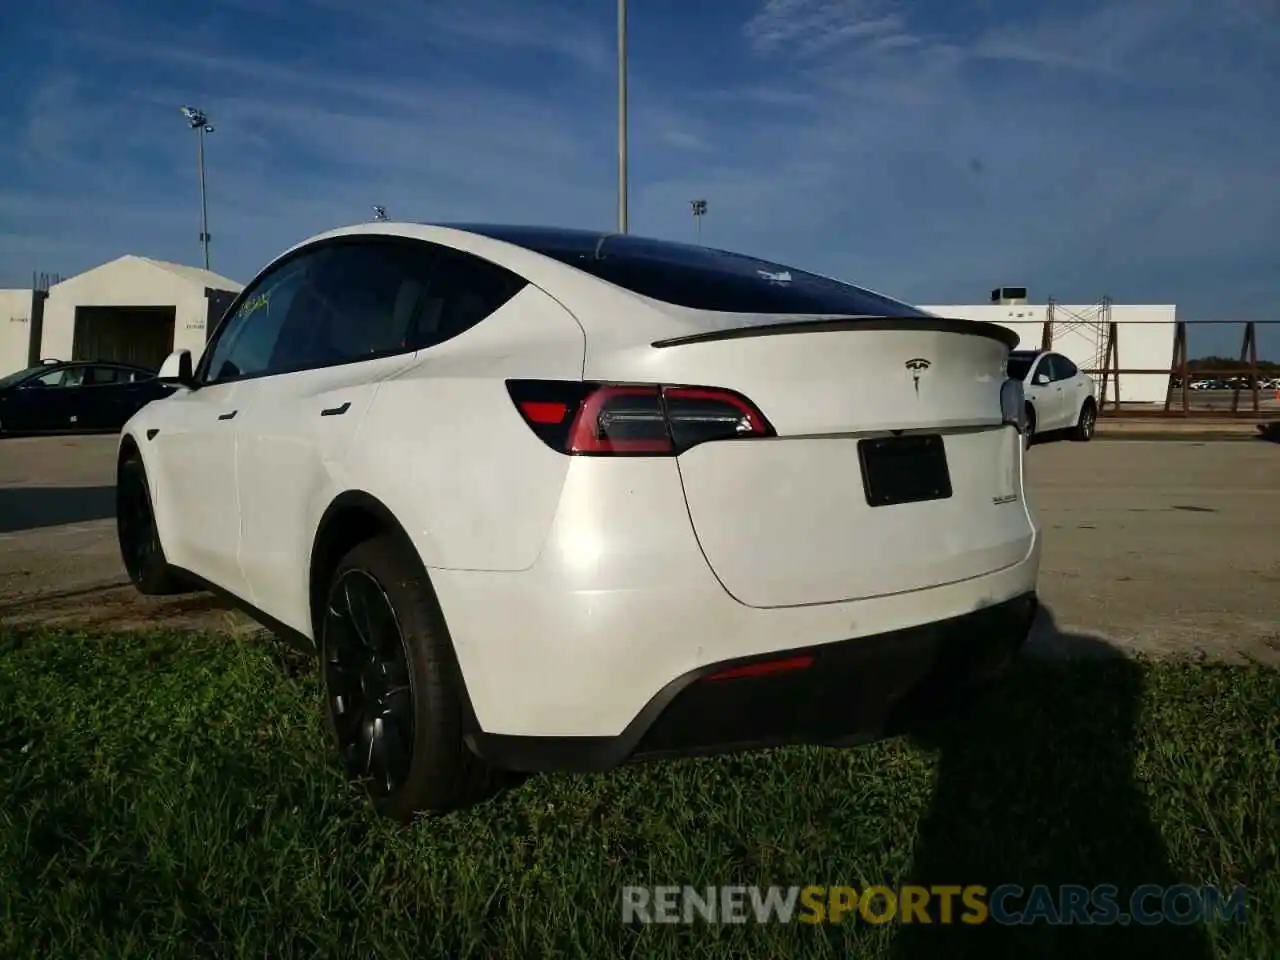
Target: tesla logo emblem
917 366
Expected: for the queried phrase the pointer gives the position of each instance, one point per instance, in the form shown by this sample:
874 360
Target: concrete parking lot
1162 547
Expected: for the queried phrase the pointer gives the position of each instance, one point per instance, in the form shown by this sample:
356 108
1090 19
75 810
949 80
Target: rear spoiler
972 328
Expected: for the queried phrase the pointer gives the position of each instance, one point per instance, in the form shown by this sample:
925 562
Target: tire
136 533
1030 437
401 694
1088 419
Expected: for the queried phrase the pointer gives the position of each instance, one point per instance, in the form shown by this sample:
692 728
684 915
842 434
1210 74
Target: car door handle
336 411
228 416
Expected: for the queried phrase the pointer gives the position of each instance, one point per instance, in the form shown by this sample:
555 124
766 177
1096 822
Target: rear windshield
700 278
1020 366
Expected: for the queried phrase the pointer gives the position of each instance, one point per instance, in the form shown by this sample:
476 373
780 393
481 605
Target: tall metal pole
204 206
622 116
699 208
198 120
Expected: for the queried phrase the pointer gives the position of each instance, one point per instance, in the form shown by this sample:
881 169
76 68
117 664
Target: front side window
64 377
244 345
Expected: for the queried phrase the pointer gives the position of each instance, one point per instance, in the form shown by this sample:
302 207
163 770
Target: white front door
194 475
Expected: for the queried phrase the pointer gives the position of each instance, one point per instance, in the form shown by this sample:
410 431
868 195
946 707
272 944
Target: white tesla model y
555 500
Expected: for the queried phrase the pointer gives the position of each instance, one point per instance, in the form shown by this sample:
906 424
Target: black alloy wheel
139 537
369 685
135 525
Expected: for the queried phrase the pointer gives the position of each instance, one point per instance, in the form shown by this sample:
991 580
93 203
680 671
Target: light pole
199 122
622 116
699 211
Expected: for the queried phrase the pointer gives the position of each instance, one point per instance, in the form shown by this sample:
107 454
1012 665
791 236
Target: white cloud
809 27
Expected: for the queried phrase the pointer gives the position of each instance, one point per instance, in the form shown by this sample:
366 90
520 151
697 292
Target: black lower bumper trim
854 691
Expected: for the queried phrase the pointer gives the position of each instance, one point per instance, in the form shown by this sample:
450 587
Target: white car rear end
742 487
653 499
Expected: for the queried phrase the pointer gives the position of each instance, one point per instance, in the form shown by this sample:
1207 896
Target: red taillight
764 668
596 419
621 420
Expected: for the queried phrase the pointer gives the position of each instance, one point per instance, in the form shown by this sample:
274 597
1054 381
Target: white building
134 310
19 315
1144 336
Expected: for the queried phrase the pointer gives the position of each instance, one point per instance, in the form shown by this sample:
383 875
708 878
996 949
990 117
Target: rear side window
463 291
1063 368
700 278
103 375
1020 366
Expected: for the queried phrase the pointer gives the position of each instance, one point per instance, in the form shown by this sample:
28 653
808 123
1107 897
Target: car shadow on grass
1019 802
31 508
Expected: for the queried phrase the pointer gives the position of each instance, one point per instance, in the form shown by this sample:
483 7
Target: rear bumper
853 690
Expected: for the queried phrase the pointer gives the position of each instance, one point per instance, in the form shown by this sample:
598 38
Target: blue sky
931 150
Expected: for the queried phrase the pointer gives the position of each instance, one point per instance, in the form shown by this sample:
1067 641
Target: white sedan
556 500
1060 397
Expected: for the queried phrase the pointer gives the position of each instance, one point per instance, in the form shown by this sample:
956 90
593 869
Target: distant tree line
1230 363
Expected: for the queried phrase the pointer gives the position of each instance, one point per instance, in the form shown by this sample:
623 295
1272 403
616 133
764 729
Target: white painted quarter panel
445 449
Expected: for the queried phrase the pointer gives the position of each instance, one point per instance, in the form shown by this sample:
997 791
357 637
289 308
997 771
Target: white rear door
366 307
1045 396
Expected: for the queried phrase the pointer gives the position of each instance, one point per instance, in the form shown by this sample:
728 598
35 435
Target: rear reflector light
764 668
1013 404
598 419
543 411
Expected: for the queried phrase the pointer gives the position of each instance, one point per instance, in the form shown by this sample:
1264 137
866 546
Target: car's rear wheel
1029 437
1084 427
139 538
393 688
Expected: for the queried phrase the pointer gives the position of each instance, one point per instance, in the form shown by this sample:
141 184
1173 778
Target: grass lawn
171 795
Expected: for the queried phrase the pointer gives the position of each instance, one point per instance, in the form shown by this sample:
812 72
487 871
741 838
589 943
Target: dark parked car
79 397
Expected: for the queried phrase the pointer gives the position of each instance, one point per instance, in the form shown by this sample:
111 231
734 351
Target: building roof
206 278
